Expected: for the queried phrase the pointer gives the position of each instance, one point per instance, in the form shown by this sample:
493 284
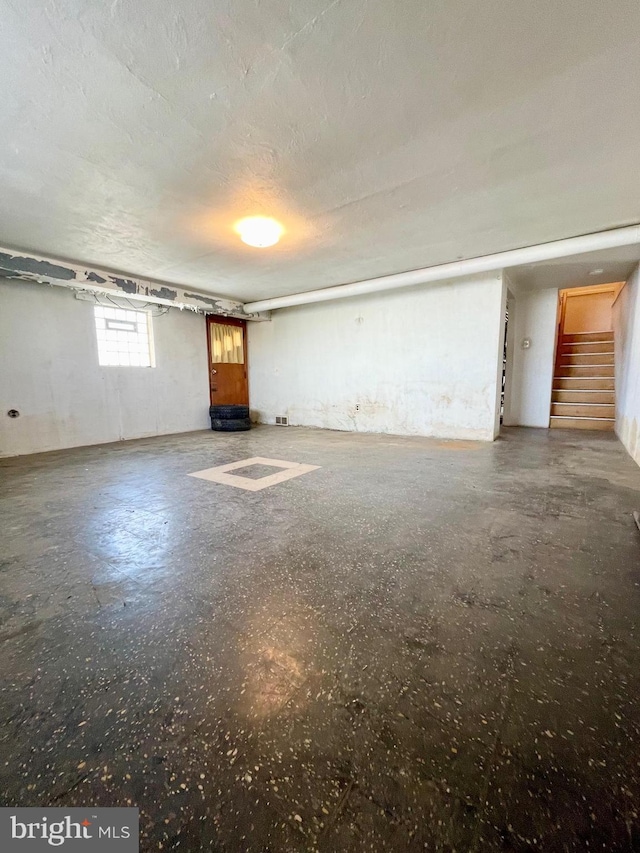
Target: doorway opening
583 395
227 349
503 387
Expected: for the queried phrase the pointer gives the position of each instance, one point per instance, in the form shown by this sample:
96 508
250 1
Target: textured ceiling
385 135
578 270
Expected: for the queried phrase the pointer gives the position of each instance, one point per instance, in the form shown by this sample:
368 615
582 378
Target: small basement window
125 338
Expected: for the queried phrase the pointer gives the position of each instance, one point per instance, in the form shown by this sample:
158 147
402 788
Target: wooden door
587 310
227 346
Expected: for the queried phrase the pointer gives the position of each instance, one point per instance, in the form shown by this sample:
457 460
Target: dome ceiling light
259 231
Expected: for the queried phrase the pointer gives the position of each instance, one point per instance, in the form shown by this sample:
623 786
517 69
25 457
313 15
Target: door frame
220 319
566 293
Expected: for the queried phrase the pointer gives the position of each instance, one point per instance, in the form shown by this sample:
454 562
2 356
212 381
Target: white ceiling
593 268
385 135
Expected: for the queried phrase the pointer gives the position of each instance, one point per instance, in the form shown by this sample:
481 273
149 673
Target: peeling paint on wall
207 300
125 284
26 264
22 267
163 293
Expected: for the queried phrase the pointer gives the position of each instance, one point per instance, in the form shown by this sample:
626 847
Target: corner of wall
626 326
531 377
500 354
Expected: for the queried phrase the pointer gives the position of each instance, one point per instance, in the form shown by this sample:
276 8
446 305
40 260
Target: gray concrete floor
422 645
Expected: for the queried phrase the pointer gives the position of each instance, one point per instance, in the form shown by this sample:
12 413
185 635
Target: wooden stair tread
604 411
588 397
582 378
600 405
564 422
587 337
588 359
579 418
583 346
579 371
583 391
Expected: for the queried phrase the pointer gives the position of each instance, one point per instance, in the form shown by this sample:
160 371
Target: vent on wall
282 420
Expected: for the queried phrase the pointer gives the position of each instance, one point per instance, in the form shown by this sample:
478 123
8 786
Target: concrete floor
421 645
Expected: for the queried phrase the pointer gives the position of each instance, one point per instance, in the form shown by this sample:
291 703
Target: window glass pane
123 337
226 344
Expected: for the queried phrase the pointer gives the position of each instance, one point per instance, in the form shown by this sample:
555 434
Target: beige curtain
226 344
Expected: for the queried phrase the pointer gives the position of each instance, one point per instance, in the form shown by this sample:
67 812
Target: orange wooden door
588 312
227 345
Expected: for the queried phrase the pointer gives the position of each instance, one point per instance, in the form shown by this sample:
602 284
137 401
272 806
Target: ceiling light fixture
259 231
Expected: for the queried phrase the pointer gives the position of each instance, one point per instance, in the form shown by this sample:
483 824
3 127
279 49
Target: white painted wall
533 315
626 324
416 362
50 373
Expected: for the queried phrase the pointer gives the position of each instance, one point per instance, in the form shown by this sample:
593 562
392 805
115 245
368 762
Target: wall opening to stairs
583 395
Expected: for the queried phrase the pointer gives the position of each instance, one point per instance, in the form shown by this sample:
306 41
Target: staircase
584 382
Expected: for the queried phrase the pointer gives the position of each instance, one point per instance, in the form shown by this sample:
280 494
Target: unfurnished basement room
319 426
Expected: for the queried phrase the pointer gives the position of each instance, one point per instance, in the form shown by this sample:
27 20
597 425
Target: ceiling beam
24 266
460 269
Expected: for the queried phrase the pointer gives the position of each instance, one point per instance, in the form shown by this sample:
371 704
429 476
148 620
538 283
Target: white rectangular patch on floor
221 474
